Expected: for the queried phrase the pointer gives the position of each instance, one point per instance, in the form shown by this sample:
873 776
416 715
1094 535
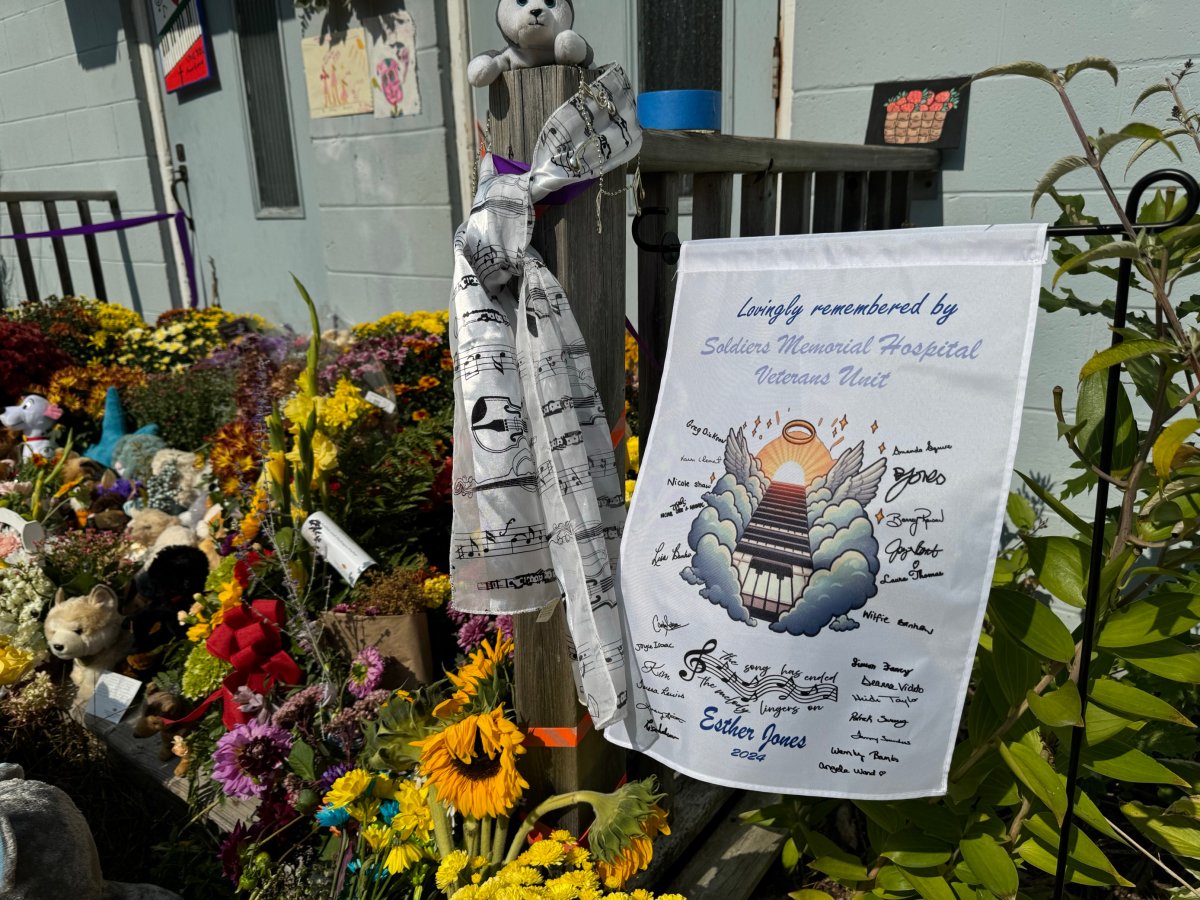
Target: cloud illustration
843 623
713 566
857 537
709 522
830 594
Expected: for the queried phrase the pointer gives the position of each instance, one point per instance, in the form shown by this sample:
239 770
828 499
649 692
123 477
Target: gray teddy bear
46 847
539 33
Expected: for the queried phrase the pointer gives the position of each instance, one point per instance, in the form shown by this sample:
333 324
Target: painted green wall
1017 127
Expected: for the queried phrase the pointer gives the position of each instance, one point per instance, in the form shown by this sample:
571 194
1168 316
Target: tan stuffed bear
150 530
539 33
89 630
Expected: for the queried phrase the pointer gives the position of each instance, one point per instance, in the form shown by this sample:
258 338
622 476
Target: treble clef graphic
696 660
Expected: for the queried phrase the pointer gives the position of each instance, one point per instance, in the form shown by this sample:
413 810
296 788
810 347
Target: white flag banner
807 559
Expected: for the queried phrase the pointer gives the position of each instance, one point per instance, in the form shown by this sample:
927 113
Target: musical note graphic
704 661
509 542
499 358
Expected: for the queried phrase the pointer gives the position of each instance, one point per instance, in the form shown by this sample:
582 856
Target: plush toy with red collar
35 418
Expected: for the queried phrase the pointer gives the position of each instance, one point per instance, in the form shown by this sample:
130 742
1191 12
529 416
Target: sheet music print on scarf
807 560
538 502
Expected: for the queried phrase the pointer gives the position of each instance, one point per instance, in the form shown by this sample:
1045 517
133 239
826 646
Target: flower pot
916 127
403 641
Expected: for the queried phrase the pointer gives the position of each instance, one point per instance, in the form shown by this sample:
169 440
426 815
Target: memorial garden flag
808 555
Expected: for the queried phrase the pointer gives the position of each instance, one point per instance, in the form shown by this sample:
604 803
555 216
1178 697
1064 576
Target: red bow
249 638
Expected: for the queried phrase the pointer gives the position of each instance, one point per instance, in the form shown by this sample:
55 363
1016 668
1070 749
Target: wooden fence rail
787 187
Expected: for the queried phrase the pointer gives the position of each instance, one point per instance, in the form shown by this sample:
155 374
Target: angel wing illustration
737 457
847 480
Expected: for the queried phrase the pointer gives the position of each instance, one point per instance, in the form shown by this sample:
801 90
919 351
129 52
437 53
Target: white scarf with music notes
538 502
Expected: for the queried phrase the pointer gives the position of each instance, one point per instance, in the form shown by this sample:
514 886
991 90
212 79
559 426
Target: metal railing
48 201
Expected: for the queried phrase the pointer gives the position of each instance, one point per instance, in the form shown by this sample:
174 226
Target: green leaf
930 886
1171 659
810 894
1057 505
790 856
1132 132
1089 413
1129 764
301 761
1038 856
911 848
1113 250
1021 511
1149 92
991 864
883 814
1125 698
1126 350
1090 62
893 879
1035 773
1059 708
1060 564
1179 834
841 869
1103 725
1080 848
1061 167
1031 624
1016 669
1170 441
1024 67
1151 619
1146 146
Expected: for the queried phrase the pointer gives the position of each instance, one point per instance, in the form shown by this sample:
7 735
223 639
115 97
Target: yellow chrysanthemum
451 867
629 486
543 854
348 788
473 764
415 820
634 451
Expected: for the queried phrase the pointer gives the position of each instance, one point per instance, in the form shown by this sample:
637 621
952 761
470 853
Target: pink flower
9 544
366 671
914 97
906 107
941 96
248 759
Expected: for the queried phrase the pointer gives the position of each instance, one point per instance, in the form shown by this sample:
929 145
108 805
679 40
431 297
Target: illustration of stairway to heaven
773 557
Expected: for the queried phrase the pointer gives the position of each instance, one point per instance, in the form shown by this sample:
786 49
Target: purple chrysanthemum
366 672
332 774
248 759
473 630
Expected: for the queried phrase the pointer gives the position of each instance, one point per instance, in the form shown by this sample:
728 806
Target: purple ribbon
561 197
120 225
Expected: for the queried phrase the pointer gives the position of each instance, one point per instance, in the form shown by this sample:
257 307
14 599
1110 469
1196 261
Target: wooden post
591 268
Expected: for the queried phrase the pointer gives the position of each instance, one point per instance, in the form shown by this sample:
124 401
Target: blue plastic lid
680 110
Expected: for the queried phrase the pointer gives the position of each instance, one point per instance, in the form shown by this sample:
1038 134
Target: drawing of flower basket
917 117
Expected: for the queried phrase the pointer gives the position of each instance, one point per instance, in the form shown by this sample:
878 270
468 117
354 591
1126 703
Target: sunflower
637 854
481 667
473 764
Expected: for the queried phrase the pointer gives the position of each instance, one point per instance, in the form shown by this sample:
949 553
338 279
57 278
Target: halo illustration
798 431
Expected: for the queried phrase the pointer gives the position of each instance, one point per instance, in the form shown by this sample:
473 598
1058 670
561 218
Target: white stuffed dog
89 630
538 34
34 418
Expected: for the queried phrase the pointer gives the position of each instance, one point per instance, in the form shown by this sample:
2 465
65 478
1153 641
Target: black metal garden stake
1108 441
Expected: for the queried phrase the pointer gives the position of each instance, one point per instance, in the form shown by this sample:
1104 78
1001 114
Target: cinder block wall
70 119
1017 127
